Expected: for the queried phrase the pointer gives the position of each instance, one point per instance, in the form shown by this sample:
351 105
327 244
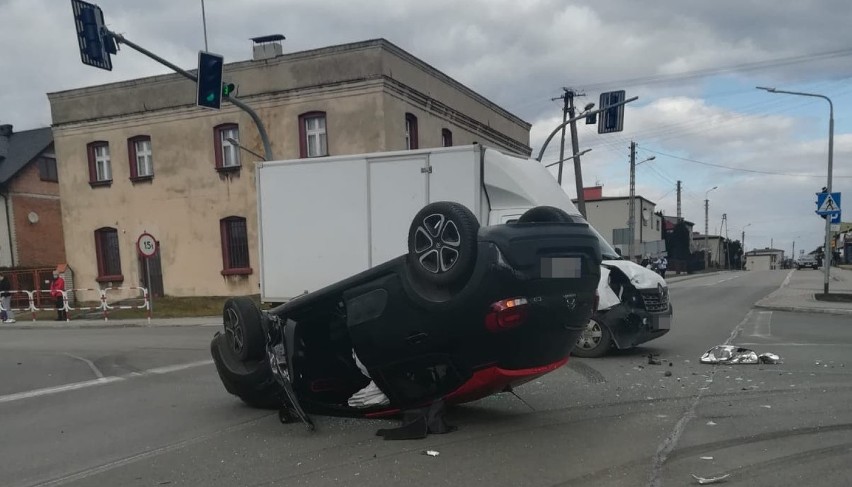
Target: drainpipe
8 227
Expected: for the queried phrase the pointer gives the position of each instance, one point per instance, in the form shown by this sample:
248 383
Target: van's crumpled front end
642 310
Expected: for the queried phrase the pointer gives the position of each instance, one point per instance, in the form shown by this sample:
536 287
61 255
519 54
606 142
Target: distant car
809 260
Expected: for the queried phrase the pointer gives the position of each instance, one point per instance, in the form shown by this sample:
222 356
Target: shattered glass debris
731 355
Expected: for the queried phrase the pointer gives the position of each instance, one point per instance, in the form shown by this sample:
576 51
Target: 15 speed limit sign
146 245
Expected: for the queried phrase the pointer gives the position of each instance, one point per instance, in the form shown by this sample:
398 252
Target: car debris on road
710 480
732 355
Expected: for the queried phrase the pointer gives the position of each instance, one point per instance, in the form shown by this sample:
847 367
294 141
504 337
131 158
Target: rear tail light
597 301
507 314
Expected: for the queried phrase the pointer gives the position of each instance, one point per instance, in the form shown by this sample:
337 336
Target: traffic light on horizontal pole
209 86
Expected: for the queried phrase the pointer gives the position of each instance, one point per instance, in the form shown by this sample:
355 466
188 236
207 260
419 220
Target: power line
757 171
700 73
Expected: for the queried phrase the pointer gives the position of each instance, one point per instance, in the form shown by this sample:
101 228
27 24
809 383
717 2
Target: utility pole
568 111
564 98
631 220
727 243
575 147
706 231
679 213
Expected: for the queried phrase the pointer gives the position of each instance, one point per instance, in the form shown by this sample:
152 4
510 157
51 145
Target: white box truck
322 220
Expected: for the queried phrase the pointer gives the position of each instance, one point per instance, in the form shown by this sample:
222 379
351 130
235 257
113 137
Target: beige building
610 215
139 156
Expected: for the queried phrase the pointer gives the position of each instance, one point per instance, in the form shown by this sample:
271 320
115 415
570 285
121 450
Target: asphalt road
144 407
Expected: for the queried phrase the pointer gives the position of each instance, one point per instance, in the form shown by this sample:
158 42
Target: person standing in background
56 293
6 298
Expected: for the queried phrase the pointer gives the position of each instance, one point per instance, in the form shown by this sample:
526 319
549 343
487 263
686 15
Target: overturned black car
467 313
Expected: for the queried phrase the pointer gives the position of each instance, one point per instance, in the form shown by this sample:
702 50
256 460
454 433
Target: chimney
593 193
267 47
5 135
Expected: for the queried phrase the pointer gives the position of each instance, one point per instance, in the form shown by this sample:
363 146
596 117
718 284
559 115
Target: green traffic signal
211 97
227 89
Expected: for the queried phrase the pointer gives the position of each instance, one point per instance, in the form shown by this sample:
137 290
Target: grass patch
834 297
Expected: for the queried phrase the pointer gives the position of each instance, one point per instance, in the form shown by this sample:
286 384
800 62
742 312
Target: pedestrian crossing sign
828 203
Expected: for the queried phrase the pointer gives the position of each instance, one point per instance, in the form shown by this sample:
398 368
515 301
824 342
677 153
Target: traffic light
209 85
95 43
228 88
611 120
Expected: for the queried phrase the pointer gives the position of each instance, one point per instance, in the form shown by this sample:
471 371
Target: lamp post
826 249
631 204
742 242
563 160
707 226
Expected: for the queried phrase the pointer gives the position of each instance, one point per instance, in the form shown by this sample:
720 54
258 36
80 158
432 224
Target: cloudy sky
693 64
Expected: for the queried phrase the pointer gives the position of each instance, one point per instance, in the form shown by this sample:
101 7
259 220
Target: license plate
664 322
561 267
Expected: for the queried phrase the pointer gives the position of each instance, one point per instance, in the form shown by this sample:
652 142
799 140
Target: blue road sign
835 218
828 203
95 45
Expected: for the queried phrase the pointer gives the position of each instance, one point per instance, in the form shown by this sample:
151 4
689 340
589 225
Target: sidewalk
798 293
685 277
24 324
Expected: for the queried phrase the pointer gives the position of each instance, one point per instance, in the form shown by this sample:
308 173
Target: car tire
243 329
442 241
251 381
545 214
595 341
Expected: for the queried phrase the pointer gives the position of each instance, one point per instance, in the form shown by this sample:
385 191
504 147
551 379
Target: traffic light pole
574 119
264 137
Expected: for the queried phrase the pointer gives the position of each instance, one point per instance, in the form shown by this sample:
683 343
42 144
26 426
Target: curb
692 276
801 309
90 326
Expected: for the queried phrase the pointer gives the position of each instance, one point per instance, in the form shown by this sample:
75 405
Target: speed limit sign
146 245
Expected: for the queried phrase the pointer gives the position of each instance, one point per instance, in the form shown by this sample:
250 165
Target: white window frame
103 166
144 158
229 148
407 134
316 138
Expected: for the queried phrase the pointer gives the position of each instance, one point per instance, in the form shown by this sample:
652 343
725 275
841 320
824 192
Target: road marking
95 369
776 344
763 325
99 381
55 390
670 442
787 279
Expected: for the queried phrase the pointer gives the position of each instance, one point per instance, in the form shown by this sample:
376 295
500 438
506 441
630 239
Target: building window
235 249
410 131
446 138
141 157
658 224
47 169
227 154
109 259
313 135
100 169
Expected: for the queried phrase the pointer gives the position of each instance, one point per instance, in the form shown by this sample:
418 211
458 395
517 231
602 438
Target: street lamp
707 226
826 249
563 160
631 204
234 142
